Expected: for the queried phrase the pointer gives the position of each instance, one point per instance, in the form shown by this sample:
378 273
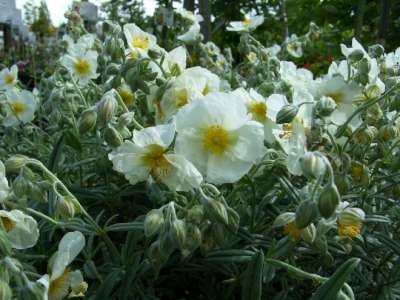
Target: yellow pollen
126 94
337 97
9 79
141 43
216 139
259 111
349 230
81 66
206 90
58 288
18 107
246 21
155 160
182 98
8 224
292 231
287 129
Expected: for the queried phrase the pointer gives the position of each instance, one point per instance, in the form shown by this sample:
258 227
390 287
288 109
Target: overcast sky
57 8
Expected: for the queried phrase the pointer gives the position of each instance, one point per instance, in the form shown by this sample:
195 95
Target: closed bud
287 114
193 239
112 137
153 222
388 132
372 91
328 200
364 66
125 119
325 106
365 135
113 69
312 165
15 163
64 208
216 210
359 172
5 244
177 231
356 55
156 254
308 234
154 54
5 291
195 214
306 212
107 107
342 183
21 186
87 120
37 193
234 219
376 51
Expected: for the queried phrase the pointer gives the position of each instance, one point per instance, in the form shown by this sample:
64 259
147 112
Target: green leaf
125 226
252 282
229 256
389 242
330 289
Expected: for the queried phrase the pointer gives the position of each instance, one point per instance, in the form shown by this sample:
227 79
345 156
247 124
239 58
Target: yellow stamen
216 139
8 224
259 110
206 90
337 97
126 95
9 79
246 21
182 98
141 43
58 288
287 129
155 160
349 230
18 107
81 66
292 231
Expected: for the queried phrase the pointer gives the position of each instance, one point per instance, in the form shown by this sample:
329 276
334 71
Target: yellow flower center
246 21
216 139
141 43
206 90
292 231
18 107
349 230
287 130
81 66
259 111
182 98
9 79
58 288
155 160
356 171
337 97
8 224
126 95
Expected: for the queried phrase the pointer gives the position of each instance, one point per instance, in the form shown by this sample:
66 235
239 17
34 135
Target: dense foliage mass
138 171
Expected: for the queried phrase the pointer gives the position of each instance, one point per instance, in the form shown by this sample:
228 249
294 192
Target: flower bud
153 222
178 232
15 163
286 114
107 107
156 254
113 69
37 193
388 132
153 54
364 66
376 51
64 208
87 120
308 234
342 183
112 137
283 219
195 214
5 291
328 200
21 186
216 209
193 239
359 172
325 106
125 119
5 244
372 91
356 55
306 212
312 165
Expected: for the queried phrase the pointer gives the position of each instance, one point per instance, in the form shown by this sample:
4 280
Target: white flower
21 229
217 135
248 24
20 106
81 65
344 94
8 78
187 14
147 155
293 46
4 188
173 62
192 35
139 42
82 45
263 110
192 84
61 278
